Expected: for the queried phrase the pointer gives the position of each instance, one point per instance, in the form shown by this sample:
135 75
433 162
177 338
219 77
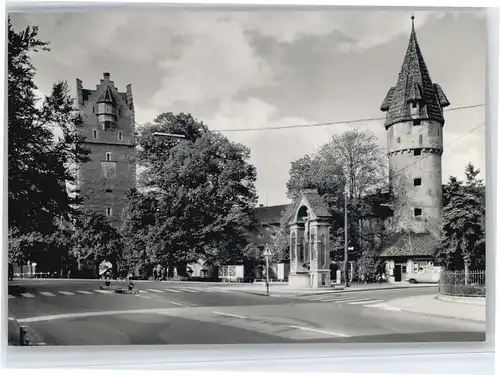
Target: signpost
267 254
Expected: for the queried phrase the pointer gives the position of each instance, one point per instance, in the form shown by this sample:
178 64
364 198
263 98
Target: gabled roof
313 201
410 245
270 214
414 85
107 96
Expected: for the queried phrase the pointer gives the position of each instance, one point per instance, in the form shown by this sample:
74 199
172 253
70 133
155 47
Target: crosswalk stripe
172 290
155 290
65 293
365 302
102 291
11 296
189 290
27 295
47 294
84 292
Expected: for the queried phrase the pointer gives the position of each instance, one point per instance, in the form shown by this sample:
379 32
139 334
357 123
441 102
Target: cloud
248 69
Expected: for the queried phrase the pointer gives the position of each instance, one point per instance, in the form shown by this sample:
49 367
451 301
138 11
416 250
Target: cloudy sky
261 69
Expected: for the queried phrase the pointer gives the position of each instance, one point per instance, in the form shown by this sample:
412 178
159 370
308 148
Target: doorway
397 273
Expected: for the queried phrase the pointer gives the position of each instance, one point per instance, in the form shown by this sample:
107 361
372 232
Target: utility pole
346 253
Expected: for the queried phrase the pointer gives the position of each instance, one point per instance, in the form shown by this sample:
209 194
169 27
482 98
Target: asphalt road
59 312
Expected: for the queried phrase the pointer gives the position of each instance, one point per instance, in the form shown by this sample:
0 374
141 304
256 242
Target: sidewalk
430 304
277 290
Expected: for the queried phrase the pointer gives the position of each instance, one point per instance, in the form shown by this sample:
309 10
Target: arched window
301 250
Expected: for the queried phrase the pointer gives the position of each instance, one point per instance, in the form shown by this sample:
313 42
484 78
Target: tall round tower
414 125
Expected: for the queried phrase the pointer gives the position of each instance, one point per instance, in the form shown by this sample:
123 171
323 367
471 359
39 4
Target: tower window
416 122
95 134
107 125
417 181
108 156
120 136
109 191
417 152
414 105
109 211
93 109
417 212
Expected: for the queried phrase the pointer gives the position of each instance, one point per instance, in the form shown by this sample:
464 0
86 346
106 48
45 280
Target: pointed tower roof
107 96
414 85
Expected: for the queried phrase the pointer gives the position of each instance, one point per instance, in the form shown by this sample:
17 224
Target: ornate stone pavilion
309 225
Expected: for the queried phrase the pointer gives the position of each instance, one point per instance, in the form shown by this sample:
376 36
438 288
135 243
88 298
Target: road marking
143 291
103 291
155 290
178 304
65 293
231 315
360 302
27 295
320 331
11 296
92 313
47 294
138 295
384 307
84 292
172 290
189 290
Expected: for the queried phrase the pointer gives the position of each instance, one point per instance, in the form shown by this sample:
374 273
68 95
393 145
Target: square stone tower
414 125
110 136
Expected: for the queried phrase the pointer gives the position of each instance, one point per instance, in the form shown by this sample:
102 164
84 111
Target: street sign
267 252
350 248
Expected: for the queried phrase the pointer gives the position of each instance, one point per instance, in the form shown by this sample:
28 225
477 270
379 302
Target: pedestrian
154 274
162 274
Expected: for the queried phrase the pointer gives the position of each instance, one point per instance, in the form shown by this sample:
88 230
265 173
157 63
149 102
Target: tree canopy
463 228
38 161
201 192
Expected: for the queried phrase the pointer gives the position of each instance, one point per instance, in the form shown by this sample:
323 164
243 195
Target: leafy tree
462 241
353 162
203 189
38 162
96 240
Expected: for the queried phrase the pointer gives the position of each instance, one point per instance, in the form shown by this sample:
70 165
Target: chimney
106 76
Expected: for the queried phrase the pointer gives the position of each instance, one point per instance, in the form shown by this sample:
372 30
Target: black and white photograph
232 175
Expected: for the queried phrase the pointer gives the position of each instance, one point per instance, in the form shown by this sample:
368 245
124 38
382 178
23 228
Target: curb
31 338
475 301
441 315
345 290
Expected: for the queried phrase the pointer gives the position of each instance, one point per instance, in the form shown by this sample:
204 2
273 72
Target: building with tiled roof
414 124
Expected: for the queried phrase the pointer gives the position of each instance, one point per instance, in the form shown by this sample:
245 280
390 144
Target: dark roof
270 214
107 96
318 205
414 85
410 245
86 94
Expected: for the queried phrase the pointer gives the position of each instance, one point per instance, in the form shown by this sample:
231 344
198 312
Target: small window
95 134
93 109
109 211
414 105
420 139
77 191
418 212
417 152
416 122
109 191
107 125
417 181
108 156
120 136
403 269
